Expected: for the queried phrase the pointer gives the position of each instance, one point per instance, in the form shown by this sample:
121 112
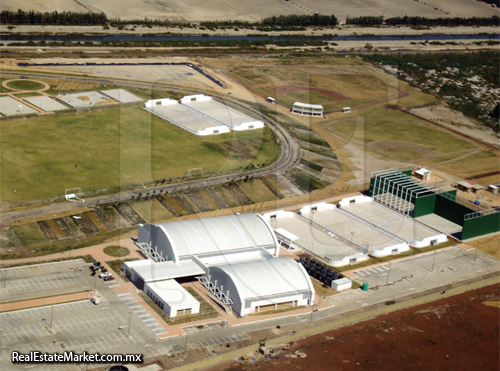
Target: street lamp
388 273
434 261
129 323
51 314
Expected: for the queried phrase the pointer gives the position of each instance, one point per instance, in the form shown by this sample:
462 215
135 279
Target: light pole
388 273
5 276
129 323
186 345
51 314
475 257
95 281
1 336
434 261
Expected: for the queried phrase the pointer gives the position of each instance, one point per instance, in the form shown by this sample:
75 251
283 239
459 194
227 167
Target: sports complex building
440 208
345 234
201 115
235 257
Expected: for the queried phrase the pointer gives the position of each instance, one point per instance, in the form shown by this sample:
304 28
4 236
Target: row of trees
301 20
447 22
423 21
52 18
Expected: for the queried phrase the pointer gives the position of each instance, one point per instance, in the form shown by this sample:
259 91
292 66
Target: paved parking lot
41 280
78 326
143 314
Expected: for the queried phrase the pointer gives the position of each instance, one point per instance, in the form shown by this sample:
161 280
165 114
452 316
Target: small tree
496 112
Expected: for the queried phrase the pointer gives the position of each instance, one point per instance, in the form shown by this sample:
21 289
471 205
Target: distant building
493 189
271 100
346 110
468 186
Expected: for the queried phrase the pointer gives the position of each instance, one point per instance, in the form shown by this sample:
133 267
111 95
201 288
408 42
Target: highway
289 154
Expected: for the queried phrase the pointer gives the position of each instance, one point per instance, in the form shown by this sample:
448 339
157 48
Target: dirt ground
458 333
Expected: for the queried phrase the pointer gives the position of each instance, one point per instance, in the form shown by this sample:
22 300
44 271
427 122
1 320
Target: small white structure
423 174
307 109
172 298
341 284
271 100
346 110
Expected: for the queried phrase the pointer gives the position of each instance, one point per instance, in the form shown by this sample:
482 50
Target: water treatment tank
365 286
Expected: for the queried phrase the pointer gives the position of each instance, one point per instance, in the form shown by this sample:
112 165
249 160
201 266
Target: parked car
95 300
109 278
104 275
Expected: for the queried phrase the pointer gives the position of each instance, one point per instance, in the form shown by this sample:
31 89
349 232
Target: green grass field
44 155
25 85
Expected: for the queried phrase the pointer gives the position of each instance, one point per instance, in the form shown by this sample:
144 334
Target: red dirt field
287 89
458 333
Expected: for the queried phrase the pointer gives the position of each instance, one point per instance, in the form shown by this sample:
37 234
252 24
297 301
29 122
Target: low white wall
427 241
252 125
400 247
357 199
196 98
159 102
318 206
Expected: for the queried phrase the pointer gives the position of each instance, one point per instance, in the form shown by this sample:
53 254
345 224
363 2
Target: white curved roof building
264 284
183 239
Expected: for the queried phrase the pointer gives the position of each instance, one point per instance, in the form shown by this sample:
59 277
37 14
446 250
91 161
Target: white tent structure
307 109
261 285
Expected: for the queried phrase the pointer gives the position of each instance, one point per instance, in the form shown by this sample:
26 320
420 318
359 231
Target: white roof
422 171
207 235
172 293
342 281
286 234
149 270
306 105
270 98
267 277
493 186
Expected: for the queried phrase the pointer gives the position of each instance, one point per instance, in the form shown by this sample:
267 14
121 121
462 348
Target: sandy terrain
344 30
444 116
203 10
458 333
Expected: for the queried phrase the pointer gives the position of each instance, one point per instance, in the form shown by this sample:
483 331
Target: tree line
301 20
52 18
423 21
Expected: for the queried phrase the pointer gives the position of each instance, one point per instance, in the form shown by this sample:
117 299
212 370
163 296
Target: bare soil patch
458 333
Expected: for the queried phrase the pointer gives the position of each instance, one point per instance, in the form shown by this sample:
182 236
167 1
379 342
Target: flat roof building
172 298
185 118
218 112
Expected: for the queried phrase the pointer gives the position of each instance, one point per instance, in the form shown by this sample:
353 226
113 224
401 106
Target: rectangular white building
218 112
172 298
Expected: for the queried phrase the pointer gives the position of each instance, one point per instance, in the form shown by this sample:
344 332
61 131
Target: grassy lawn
25 85
29 234
151 210
403 153
26 95
257 191
482 162
117 267
116 251
378 129
115 147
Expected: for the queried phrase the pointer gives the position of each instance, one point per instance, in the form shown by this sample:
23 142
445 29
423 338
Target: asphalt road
289 154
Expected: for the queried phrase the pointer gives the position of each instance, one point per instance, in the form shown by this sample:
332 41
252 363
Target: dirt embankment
458 333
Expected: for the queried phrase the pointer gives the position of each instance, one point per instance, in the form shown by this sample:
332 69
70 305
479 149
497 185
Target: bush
116 251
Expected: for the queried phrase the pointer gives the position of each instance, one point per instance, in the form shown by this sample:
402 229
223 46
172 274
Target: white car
107 274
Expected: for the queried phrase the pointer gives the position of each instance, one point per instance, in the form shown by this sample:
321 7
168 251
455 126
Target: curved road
289 154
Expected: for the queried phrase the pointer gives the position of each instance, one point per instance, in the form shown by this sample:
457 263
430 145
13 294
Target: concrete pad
85 99
121 95
332 250
439 223
187 119
389 220
46 103
11 107
352 229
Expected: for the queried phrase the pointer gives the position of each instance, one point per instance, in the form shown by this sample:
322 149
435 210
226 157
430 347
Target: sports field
44 155
332 86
